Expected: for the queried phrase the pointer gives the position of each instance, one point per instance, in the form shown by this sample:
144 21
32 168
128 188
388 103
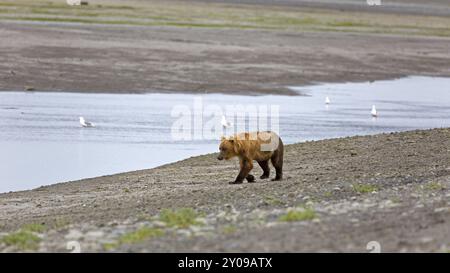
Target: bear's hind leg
250 178
277 162
265 167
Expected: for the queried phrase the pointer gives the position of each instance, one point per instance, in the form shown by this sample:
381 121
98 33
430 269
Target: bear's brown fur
258 146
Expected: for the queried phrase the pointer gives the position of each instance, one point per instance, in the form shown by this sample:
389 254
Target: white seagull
225 122
327 100
85 123
374 112
73 2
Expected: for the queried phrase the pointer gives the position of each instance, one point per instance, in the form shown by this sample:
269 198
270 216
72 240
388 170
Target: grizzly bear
258 146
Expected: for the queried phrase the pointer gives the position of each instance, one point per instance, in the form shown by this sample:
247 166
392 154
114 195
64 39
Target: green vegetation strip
180 218
223 16
305 214
26 238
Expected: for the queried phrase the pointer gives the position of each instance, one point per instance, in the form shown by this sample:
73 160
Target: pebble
158 224
426 240
184 232
273 224
195 229
74 234
95 234
441 209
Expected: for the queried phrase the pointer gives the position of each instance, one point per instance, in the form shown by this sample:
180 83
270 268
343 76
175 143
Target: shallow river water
42 142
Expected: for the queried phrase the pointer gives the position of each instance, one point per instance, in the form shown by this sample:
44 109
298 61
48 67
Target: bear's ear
222 138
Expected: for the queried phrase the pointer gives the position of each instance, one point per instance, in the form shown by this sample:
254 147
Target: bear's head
227 148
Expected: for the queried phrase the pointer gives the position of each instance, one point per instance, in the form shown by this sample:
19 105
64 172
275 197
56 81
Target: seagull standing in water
225 122
85 123
327 100
374 112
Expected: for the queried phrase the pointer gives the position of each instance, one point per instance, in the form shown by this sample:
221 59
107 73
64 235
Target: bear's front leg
246 167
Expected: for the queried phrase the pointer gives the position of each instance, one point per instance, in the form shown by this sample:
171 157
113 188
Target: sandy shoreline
392 188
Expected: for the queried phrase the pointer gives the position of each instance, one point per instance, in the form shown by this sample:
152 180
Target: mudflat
259 47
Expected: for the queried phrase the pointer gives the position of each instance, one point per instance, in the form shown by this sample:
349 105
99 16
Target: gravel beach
337 195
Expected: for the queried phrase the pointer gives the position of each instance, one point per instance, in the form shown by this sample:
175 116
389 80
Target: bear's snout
220 157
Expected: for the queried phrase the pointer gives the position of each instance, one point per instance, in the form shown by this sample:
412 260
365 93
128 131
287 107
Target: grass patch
22 239
72 20
328 194
35 227
129 22
60 223
181 218
434 186
364 188
229 229
273 201
298 215
119 7
25 238
347 24
134 237
140 235
283 21
206 25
